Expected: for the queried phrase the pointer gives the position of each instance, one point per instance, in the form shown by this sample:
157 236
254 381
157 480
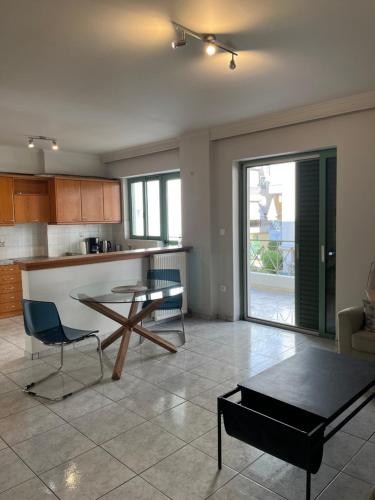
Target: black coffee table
286 409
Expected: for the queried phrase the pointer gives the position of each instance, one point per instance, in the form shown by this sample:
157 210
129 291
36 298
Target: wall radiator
171 261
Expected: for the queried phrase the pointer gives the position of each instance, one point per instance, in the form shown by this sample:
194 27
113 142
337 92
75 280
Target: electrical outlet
2 243
223 288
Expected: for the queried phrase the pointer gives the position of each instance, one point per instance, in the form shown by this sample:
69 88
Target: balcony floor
272 305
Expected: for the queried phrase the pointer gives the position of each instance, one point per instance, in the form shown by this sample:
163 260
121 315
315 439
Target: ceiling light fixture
32 138
210 41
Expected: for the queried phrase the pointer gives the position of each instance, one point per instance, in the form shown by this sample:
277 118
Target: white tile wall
23 240
62 239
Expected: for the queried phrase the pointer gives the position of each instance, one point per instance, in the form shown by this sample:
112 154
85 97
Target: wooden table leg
112 338
120 359
154 338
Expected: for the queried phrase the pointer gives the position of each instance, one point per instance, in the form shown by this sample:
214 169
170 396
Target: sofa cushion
364 341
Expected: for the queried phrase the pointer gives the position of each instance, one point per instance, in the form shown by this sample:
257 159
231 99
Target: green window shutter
308 245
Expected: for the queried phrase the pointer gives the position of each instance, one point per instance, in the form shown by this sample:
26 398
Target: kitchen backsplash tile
29 240
23 240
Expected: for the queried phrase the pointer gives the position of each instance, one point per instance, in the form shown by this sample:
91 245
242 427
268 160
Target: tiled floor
152 435
272 305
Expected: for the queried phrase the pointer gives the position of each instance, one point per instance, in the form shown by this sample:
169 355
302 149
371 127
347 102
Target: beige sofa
353 339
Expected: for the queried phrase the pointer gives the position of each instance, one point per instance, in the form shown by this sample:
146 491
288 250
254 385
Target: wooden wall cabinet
31 200
6 201
85 201
92 201
112 201
65 195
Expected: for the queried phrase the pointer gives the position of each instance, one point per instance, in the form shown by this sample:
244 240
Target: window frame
162 178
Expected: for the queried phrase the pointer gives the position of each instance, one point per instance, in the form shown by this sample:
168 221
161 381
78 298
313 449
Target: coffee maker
93 245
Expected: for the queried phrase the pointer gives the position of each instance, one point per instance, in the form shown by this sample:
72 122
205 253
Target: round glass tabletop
127 291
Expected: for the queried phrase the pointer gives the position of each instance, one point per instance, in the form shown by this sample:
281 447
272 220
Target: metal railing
272 257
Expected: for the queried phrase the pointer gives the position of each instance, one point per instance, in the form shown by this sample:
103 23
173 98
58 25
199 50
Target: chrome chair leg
56 372
181 332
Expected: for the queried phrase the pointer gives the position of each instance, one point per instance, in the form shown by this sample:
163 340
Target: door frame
323 156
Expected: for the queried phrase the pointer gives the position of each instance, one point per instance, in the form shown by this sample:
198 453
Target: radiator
171 261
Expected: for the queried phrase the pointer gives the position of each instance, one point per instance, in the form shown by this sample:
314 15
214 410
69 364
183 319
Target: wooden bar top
95 258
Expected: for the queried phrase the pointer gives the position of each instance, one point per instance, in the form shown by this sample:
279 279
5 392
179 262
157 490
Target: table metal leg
308 485
219 457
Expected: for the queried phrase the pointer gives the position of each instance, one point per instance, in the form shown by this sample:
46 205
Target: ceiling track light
212 44
33 138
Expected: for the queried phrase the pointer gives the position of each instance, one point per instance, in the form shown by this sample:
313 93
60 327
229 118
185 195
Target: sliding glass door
289 241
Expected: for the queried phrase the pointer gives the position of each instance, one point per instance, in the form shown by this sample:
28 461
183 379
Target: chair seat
364 341
74 334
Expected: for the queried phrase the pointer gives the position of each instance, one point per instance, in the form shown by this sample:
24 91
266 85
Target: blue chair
170 303
42 321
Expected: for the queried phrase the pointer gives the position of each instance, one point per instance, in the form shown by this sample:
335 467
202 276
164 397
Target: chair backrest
42 321
164 274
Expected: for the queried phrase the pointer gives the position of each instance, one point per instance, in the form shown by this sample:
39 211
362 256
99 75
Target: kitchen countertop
37 263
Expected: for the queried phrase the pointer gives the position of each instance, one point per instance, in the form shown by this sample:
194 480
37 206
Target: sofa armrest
350 321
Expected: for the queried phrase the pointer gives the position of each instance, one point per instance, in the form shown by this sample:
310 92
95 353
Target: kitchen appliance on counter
105 246
93 245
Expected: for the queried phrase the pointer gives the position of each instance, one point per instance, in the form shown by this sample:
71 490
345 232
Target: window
155 207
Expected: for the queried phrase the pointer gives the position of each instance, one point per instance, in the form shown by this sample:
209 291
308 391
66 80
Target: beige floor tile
345 487
135 489
119 389
150 402
72 360
33 489
88 476
362 466
186 421
186 385
208 399
218 371
6 385
242 488
143 446
24 425
285 479
44 451
184 359
32 374
13 402
2 444
154 372
340 449
188 474
106 423
12 470
235 454
79 404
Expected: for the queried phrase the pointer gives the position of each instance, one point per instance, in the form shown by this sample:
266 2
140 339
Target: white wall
353 136
146 164
209 172
28 161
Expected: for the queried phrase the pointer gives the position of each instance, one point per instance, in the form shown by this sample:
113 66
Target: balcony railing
272 257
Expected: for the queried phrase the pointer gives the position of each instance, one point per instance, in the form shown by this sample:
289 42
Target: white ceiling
100 75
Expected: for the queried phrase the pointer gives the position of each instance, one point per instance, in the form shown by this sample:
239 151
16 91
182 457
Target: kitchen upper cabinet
31 200
92 201
66 198
85 201
112 201
6 201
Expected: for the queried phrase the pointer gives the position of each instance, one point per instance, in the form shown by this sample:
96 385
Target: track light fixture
32 138
210 41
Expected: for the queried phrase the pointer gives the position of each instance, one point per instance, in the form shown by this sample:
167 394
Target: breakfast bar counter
37 263
52 279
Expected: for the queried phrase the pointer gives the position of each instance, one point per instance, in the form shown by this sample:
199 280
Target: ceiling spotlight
232 63
210 49
212 45
55 146
181 41
31 143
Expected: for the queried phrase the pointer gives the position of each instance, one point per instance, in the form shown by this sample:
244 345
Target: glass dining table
147 293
